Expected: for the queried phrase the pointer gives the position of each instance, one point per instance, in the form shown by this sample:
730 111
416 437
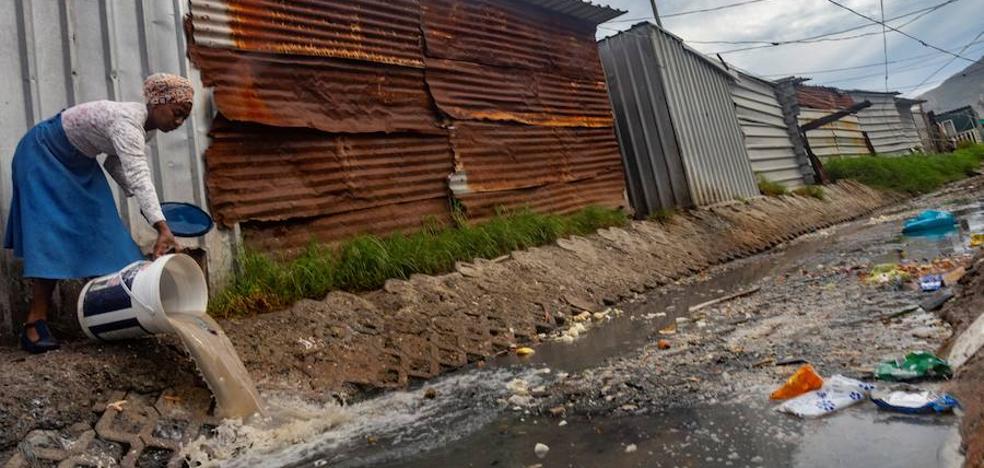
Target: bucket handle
127 288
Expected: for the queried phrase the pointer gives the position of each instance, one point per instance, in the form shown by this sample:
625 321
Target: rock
430 393
924 332
518 387
557 411
520 400
562 423
630 448
541 450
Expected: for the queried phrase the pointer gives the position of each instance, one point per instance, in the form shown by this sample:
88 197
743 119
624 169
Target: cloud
950 28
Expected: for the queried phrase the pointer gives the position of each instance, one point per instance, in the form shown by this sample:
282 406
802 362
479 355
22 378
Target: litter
838 392
887 273
968 343
663 344
631 448
906 398
937 300
803 380
930 283
541 450
977 240
929 220
915 365
524 351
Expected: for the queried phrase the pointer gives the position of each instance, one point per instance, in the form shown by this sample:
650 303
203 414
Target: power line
826 36
947 64
856 67
691 12
910 36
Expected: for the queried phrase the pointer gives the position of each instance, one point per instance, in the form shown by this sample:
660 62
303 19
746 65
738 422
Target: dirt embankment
969 379
417 329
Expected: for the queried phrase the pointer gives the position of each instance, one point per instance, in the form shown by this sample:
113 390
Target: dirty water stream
466 423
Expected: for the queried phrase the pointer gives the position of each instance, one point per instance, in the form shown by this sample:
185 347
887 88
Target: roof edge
581 9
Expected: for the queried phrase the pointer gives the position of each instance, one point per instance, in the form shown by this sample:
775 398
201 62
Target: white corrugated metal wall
883 124
908 121
57 53
698 92
767 139
840 138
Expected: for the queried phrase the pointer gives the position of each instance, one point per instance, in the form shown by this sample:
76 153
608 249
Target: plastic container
805 379
136 301
929 220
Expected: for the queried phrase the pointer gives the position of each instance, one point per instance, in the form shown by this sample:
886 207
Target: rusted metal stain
312 92
380 31
822 97
272 174
288 237
495 157
520 36
470 91
605 190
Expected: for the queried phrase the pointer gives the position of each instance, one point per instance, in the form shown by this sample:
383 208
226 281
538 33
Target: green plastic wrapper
916 365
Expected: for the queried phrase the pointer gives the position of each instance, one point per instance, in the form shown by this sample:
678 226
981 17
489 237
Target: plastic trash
930 283
915 365
906 398
929 220
541 450
803 380
977 240
888 273
838 392
524 351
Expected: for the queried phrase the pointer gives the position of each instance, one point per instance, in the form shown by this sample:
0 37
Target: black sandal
45 342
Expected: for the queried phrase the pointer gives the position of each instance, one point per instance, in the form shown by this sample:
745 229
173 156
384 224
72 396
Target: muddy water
235 393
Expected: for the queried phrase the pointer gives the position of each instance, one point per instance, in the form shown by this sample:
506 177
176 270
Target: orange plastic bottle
804 380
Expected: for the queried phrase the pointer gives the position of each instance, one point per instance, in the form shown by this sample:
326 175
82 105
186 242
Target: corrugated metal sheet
587 11
315 92
840 138
470 91
381 31
697 94
521 37
883 124
908 121
491 157
654 171
767 137
822 97
605 190
272 174
55 54
287 237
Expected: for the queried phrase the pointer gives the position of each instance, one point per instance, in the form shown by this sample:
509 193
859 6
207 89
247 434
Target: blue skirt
63 219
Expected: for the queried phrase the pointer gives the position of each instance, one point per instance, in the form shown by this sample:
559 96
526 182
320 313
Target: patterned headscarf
162 88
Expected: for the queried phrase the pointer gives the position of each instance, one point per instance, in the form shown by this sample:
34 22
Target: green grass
912 174
363 263
814 191
770 188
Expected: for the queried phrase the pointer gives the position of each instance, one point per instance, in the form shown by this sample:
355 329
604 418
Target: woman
63 220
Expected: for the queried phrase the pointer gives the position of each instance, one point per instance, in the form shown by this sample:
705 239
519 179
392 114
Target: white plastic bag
838 392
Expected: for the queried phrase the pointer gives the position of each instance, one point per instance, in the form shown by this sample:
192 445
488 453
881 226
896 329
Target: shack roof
580 9
644 27
823 97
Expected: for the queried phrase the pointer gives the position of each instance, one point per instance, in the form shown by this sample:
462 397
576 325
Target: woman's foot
36 338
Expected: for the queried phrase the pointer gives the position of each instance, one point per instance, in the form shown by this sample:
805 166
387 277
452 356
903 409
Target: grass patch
913 174
814 191
770 188
363 263
662 215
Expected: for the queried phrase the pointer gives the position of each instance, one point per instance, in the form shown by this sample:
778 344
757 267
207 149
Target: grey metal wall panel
55 54
704 117
653 168
908 122
840 138
767 138
884 125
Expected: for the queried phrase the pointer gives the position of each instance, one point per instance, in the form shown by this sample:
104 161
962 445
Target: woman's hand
165 240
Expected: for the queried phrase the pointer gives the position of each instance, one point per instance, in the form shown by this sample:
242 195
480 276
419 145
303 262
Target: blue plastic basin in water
929 220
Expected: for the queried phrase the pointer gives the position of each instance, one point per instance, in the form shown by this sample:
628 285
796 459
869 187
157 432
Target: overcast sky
950 27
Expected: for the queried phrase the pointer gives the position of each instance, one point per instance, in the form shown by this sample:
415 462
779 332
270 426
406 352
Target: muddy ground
351 346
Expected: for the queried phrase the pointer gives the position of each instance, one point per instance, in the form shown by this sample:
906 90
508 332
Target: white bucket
136 301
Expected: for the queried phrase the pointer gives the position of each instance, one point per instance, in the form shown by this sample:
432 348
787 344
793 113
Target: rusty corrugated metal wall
346 117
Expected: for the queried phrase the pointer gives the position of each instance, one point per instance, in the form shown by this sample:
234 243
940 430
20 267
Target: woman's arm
115 170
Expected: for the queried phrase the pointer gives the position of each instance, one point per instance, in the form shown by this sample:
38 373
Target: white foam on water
390 427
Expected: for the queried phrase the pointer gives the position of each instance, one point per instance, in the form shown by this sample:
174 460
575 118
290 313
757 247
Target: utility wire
690 12
910 36
825 37
947 64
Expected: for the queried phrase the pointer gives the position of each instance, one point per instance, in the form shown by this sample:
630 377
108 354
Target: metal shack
316 122
676 122
773 144
888 130
841 138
